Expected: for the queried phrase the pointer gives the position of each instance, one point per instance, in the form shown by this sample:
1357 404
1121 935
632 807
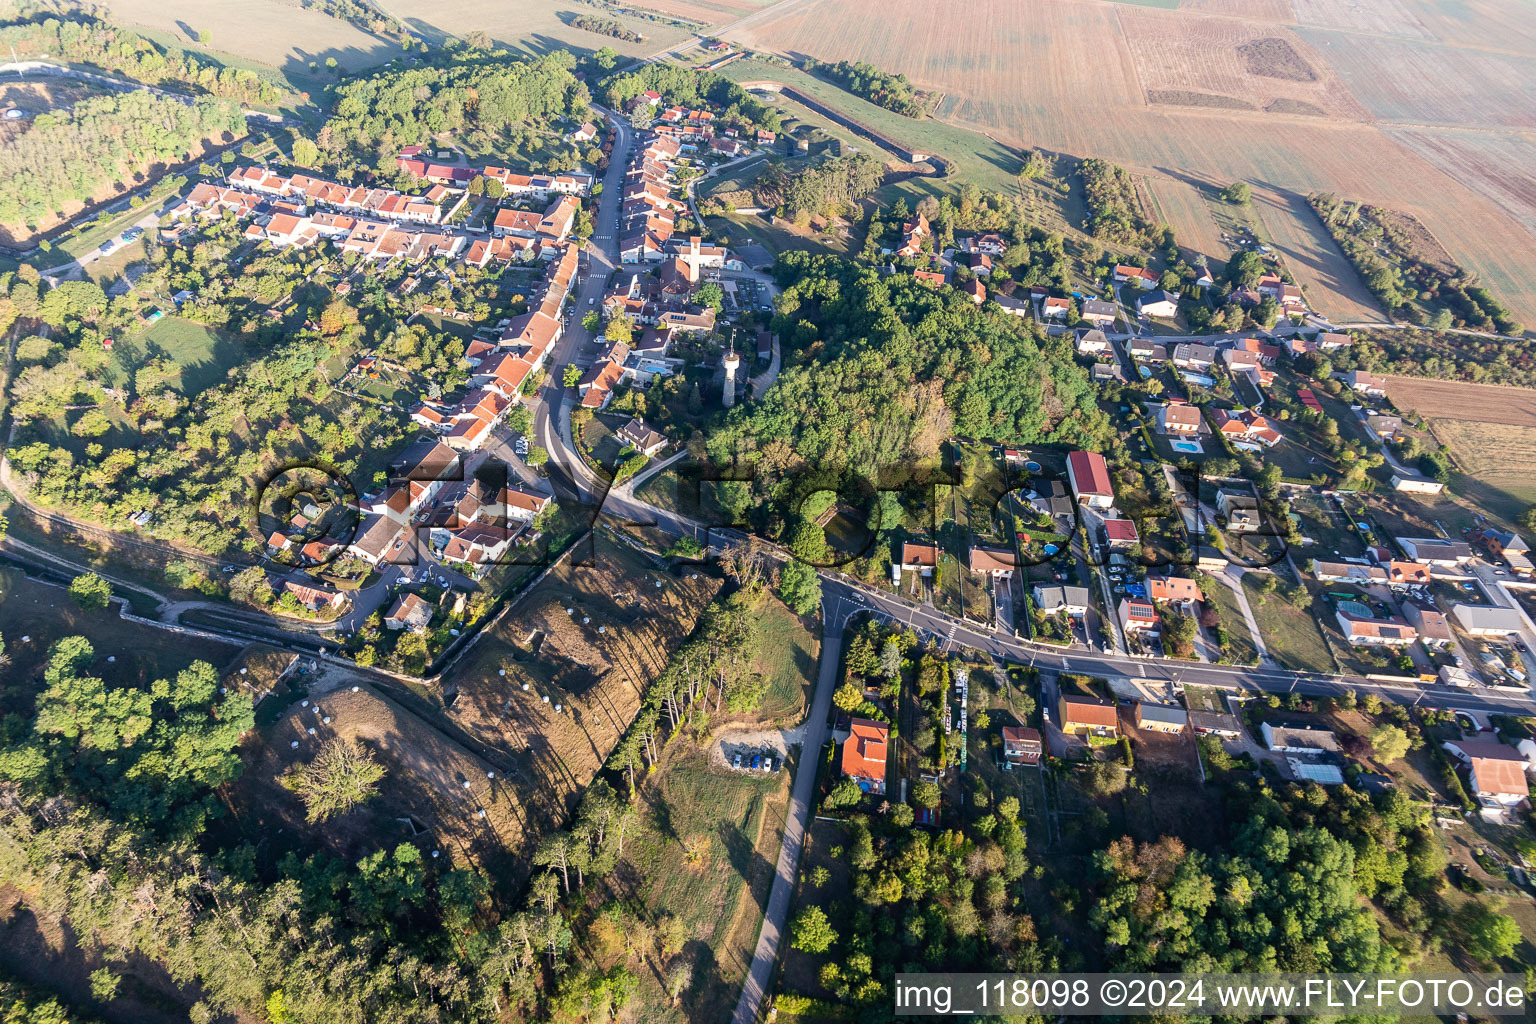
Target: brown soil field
1392 17
1493 25
1448 399
269 31
1222 56
596 670
710 12
1428 83
1328 280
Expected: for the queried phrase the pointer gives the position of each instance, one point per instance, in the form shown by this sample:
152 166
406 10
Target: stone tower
730 362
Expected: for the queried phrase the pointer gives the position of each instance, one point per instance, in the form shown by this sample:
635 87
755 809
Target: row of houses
438 204
514 184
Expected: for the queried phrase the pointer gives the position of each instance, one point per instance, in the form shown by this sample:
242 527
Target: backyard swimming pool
1182 444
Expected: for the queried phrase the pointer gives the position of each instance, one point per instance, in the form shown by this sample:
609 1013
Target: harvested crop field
594 662
1250 65
1426 83
708 12
1327 279
1181 205
531 27
1449 399
1391 17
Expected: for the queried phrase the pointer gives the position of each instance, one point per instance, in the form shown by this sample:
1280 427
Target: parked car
757 760
736 760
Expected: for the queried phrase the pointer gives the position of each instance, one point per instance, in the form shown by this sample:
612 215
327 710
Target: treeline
1402 278
361 15
880 87
1114 211
690 88
85 39
75 155
24 1005
711 673
606 27
1416 353
375 116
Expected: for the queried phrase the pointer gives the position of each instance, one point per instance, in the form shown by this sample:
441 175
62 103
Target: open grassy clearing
703 851
1291 634
279 35
594 662
531 27
1185 207
1232 620
779 237
977 158
140 654
1497 459
203 356
787 661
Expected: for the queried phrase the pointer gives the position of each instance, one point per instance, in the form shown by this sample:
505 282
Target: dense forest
1397 270
690 88
828 188
893 92
1114 211
84 39
375 116
75 155
882 369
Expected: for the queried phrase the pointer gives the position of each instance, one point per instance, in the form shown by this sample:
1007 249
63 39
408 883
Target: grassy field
703 851
34 615
977 158
1232 620
203 355
1291 634
748 228
787 662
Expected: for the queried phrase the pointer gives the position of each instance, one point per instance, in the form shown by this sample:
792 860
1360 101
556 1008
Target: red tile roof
864 750
1090 473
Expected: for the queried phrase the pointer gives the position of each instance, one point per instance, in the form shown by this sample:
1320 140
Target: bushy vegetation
1114 211
829 189
375 116
1384 254
611 27
75 155
893 92
690 88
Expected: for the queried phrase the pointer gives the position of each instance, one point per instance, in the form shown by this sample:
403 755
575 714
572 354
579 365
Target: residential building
1365 383
1054 308
1241 509
1021 745
1053 599
1099 313
1348 572
1216 723
1299 739
314 598
1120 534
1161 717
1160 303
1429 622
1512 548
410 611
1433 551
1141 277
1179 419
1496 771
1085 716
994 562
922 558
1486 620
1407 574
1138 616
1188 355
1092 343
1366 631
864 754
1089 476
1173 589
635 434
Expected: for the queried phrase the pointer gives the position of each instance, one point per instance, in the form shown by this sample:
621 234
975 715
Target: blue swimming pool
1051 549
1033 467
1185 445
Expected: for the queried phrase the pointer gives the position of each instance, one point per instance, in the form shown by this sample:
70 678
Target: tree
620 328
811 932
1389 742
1491 936
925 794
537 456
712 295
848 697
343 775
571 375
305 152
1238 193
890 659
591 320
90 591
800 587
